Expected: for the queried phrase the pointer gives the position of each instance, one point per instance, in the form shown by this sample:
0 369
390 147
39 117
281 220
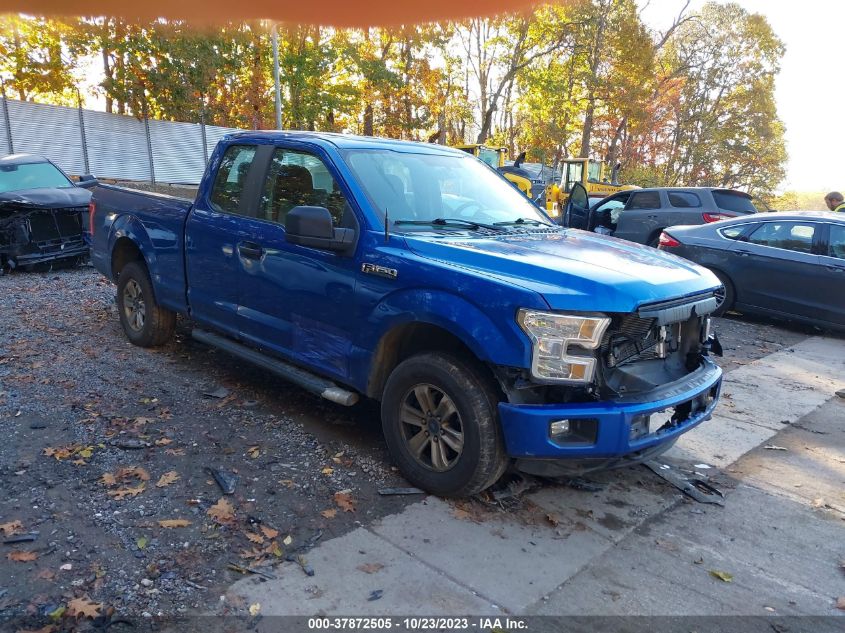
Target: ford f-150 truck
413 274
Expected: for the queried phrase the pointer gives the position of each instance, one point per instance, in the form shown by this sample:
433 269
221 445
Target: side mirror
313 227
87 181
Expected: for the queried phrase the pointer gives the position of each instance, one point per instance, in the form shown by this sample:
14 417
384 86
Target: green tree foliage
692 105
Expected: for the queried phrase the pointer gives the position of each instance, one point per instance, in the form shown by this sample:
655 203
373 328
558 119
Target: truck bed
154 221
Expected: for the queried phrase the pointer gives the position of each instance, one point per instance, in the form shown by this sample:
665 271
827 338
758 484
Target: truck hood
573 270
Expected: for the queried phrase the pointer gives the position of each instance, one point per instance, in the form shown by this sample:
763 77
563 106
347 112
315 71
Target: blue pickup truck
416 276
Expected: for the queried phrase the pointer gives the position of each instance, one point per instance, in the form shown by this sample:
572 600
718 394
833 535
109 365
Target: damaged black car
43 214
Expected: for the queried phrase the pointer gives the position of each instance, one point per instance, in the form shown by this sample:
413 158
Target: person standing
835 202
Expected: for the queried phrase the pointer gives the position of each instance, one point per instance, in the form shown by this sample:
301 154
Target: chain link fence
110 146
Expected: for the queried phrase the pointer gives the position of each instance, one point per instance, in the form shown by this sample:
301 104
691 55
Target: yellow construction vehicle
496 157
592 174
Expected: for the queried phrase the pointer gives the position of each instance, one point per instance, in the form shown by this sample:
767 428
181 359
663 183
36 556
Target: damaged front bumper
559 438
31 236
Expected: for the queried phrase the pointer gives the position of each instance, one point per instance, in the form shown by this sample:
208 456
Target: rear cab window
231 177
733 201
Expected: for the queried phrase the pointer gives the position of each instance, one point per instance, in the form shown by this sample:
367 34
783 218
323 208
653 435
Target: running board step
308 381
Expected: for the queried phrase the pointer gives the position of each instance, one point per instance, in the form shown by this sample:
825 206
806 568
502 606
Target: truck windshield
31 176
426 187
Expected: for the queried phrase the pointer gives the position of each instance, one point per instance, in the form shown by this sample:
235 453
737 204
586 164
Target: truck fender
130 227
452 314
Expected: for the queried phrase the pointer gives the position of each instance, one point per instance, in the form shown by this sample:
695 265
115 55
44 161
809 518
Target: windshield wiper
522 221
450 222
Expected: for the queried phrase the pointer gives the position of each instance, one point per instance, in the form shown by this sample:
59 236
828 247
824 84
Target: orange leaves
22 556
82 607
269 532
345 501
121 493
255 538
122 477
10 528
329 514
167 478
222 512
80 452
174 523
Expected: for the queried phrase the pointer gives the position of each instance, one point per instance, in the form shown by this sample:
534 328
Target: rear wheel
144 321
439 416
725 296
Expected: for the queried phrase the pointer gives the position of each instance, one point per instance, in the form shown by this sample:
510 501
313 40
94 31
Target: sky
810 88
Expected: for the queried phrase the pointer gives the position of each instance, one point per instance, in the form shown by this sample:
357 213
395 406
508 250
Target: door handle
250 250
743 253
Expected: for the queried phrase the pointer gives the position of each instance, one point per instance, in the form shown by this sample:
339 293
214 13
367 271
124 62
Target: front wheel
144 321
725 296
439 416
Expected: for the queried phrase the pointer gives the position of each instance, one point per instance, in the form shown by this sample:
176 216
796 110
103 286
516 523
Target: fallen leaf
345 501
818 502
174 523
222 512
109 479
12 527
253 451
167 478
327 470
460 513
174 451
721 575
255 538
255 608
56 614
553 519
122 493
164 441
840 604
46 574
287 540
329 514
142 542
21 556
269 532
134 471
84 608
370 568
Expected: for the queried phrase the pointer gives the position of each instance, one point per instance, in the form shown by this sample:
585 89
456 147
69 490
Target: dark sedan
787 265
43 214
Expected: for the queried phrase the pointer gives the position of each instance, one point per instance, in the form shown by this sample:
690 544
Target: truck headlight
552 335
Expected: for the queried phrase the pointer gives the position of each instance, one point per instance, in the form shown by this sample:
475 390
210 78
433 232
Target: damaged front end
653 381
32 235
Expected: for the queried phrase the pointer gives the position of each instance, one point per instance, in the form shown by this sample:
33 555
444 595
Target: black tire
729 294
135 293
481 460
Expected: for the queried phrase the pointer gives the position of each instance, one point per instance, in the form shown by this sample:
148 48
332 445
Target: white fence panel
117 146
177 152
48 130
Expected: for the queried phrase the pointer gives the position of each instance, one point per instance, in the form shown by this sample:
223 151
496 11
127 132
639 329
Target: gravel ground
103 440
92 423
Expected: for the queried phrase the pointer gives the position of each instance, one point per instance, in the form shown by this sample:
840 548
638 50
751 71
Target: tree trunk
368 119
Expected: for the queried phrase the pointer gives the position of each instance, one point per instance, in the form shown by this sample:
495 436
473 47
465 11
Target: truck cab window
231 177
297 178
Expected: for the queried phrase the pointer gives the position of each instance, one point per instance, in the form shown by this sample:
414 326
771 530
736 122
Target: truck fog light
559 427
574 432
